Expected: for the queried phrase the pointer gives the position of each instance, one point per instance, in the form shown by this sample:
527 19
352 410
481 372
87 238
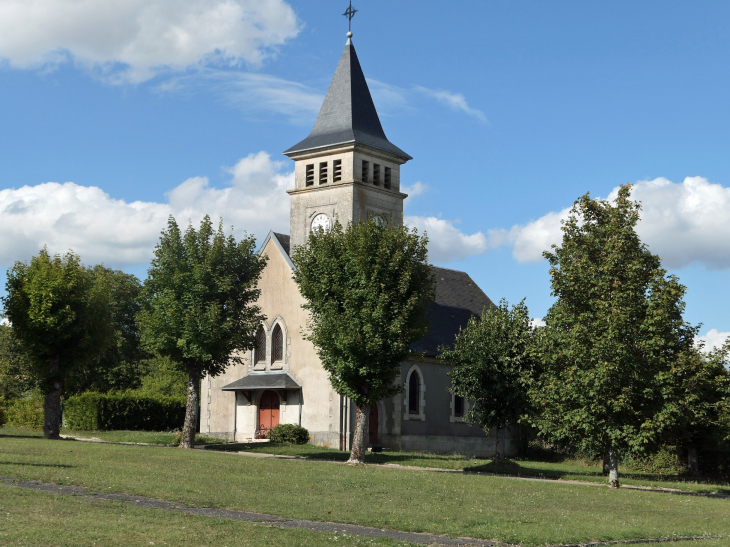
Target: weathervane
350 13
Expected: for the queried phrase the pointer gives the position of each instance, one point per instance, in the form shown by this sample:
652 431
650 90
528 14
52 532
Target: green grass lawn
145 437
36 518
581 470
505 509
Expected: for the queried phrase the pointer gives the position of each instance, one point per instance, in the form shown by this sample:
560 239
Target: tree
367 288
492 365
17 376
122 365
59 312
198 305
611 338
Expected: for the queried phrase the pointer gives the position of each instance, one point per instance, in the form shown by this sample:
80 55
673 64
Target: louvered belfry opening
337 171
365 171
277 345
376 174
414 393
386 180
260 350
323 172
310 174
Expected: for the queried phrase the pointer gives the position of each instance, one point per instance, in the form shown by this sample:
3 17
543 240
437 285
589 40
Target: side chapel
345 169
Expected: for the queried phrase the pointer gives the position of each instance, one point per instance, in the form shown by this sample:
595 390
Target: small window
414 392
310 174
337 171
323 172
277 345
365 171
376 174
458 406
386 181
260 350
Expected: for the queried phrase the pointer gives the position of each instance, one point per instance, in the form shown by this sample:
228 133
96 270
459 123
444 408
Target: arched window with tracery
277 345
260 349
414 393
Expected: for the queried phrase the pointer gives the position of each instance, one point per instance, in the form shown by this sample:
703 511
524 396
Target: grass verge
513 511
36 518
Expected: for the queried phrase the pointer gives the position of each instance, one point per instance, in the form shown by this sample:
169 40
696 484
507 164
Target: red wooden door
373 426
268 411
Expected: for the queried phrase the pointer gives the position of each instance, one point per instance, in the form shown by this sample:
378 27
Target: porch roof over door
263 380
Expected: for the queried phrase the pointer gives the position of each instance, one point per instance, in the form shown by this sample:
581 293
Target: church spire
348 114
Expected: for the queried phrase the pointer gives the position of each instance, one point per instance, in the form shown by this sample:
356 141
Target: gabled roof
458 298
281 241
263 380
348 114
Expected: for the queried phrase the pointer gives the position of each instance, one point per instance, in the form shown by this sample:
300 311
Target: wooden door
373 426
268 411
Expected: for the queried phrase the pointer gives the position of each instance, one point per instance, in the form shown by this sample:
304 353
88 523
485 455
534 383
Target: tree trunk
52 402
606 463
191 410
362 415
693 461
613 468
499 445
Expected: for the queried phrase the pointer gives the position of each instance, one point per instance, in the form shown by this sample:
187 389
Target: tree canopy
59 311
198 304
492 364
367 287
612 337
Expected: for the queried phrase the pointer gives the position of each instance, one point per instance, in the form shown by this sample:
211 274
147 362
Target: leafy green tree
492 364
699 387
163 378
198 305
121 366
17 375
611 338
59 311
367 288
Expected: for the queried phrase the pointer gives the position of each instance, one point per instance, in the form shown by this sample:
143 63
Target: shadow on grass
38 464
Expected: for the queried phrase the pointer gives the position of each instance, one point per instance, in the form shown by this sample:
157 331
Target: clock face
321 222
380 221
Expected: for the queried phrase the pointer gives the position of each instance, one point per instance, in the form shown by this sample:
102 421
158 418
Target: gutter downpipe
301 403
235 413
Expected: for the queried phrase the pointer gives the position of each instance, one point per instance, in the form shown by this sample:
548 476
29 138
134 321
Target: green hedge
99 411
288 433
26 413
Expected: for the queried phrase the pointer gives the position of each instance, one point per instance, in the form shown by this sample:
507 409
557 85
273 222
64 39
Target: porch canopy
263 380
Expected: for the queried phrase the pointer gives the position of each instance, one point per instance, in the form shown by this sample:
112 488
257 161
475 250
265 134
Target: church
345 170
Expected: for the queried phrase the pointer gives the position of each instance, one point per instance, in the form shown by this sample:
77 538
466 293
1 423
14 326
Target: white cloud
447 243
537 322
683 223
713 339
133 40
416 189
102 229
455 101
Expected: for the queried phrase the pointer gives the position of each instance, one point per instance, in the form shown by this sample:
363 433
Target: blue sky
139 109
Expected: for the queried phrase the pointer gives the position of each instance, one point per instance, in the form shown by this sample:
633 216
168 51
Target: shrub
667 460
3 416
288 433
26 413
99 411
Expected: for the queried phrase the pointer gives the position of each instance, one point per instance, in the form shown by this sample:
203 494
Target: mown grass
143 437
490 507
581 470
36 518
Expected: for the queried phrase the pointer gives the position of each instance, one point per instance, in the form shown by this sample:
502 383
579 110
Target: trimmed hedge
105 412
288 433
26 413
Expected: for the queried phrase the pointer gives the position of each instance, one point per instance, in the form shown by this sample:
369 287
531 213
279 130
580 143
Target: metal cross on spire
350 13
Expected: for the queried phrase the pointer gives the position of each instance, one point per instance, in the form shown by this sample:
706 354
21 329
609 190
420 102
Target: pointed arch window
414 393
277 344
260 349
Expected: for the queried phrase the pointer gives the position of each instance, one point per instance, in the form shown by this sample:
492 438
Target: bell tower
346 169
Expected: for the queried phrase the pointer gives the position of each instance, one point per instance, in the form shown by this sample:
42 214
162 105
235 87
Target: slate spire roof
348 113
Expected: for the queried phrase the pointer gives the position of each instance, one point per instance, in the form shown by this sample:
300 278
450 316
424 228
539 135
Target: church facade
345 170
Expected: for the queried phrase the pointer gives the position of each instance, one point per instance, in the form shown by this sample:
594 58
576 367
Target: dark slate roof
263 380
348 113
284 240
457 299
